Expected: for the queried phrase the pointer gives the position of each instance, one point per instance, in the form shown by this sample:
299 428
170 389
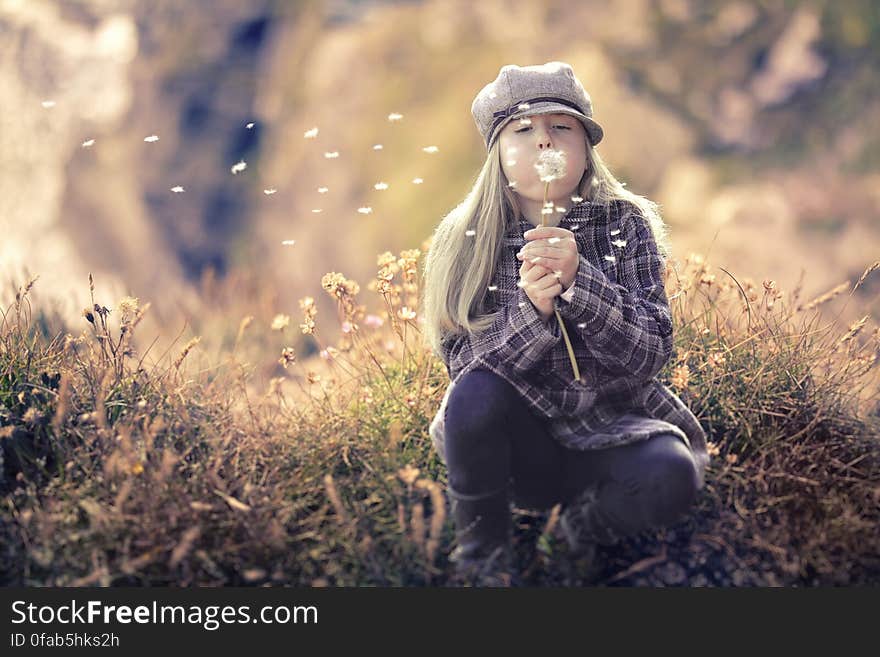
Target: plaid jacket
620 327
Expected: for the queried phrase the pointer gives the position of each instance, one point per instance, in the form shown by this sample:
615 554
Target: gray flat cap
520 91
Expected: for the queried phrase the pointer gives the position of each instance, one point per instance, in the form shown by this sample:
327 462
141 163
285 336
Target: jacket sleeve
515 341
628 327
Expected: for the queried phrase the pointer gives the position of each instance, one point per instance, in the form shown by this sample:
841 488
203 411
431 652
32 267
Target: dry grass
122 471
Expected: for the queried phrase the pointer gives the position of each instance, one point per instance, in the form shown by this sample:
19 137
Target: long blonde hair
457 275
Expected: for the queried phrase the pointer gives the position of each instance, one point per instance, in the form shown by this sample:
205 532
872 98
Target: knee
675 480
479 401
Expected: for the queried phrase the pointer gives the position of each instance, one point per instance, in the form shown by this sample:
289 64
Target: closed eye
528 127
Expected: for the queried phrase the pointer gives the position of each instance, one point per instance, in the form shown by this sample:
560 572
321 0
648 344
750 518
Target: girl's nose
543 137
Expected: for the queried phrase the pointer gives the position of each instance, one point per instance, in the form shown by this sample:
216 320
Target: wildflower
238 168
311 134
288 357
88 143
394 116
307 304
338 286
348 327
707 279
551 165
269 191
680 377
151 138
128 307
177 189
280 322
406 314
313 377
731 458
430 149
712 448
716 359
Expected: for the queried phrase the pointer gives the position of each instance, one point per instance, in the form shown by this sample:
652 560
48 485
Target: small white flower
619 243
430 149
269 191
152 138
331 155
394 116
470 233
322 190
249 126
377 147
237 168
90 142
551 165
177 190
311 134
288 242
48 103
380 186
610 258
615 231
365 210
417 181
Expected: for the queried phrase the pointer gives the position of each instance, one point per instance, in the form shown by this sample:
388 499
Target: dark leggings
491 437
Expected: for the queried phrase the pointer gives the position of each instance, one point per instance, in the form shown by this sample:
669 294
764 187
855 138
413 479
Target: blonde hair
457 275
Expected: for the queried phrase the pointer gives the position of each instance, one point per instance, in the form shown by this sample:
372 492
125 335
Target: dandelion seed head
551 165
331 155
177 189
151 138
239 167
311 134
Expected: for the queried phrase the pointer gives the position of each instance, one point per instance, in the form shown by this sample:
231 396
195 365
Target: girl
553 335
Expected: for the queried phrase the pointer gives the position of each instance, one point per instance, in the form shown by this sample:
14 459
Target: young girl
508 302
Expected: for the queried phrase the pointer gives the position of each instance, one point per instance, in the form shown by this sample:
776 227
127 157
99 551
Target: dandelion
249 126
322 190
239 167
280 322
394 116
551 165
365 210
288 242
430 149
151 138
288 357
48 104
331 155
269 191
178 189
380 186
417 181
88 143
377 147
311 134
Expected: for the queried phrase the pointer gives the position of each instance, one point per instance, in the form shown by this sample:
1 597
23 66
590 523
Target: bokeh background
752 123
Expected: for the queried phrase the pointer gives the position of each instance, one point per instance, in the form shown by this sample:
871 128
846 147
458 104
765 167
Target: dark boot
585 529
483 526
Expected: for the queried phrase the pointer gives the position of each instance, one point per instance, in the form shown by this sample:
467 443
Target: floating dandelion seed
237 168
619 243
331 155
394 116
511 163
610 258
430 149
311 134
616 231
417 181
575 226
90 142
511 184
288 242
582 325
269 191
525 121
553 240
316 210
249 126
322 190
492 288
48 104
576 199
152 138
470 233
377 147
492 94
365 210
551 165
280 322
178 189
561 209
380 186
523 107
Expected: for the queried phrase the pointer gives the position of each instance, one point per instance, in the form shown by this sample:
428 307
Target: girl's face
522 141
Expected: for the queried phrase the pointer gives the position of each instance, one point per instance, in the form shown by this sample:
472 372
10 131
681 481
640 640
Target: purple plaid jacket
620 327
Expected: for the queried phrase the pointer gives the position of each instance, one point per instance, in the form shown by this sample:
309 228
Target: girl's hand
541 286
555 249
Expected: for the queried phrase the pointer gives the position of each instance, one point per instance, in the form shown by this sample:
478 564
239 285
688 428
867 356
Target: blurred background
752 123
